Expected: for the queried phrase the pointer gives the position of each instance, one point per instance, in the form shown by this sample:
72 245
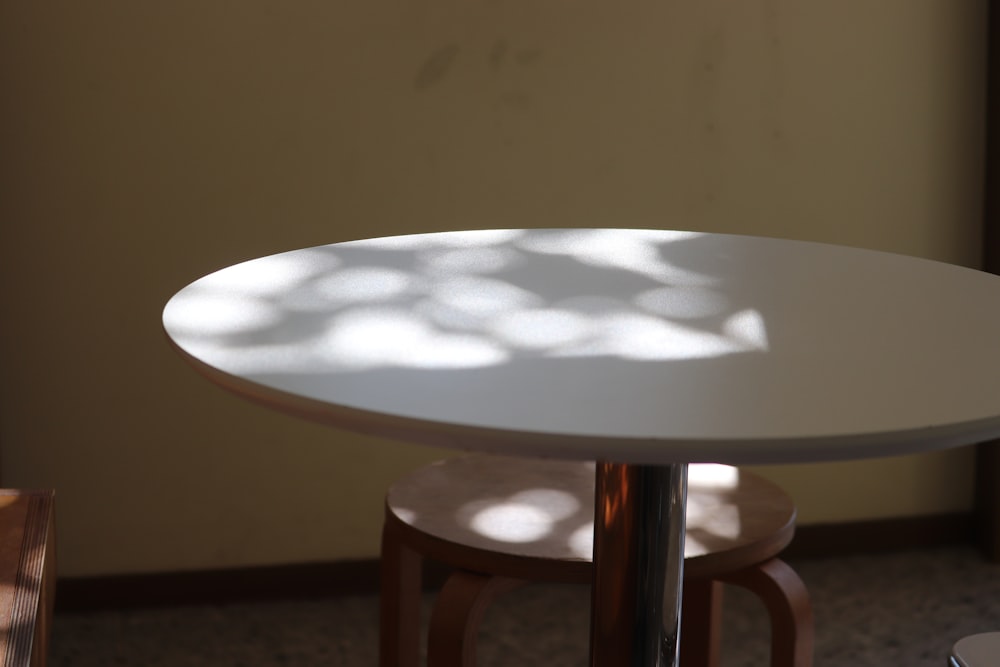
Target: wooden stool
27 575
502 522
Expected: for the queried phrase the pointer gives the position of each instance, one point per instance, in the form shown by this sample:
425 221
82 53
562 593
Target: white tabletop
633 346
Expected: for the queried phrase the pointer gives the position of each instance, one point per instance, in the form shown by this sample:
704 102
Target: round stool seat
980 650
517 513
501 522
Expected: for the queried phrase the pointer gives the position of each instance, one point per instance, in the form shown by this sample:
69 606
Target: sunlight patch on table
269 276
372 337
452 300
201 314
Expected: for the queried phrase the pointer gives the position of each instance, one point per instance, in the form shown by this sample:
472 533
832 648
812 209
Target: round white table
643 350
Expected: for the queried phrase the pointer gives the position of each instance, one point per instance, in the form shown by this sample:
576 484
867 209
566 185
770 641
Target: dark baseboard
295 581
881 535
343 578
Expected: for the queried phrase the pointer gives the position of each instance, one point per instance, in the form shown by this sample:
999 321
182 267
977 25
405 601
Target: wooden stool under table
501 522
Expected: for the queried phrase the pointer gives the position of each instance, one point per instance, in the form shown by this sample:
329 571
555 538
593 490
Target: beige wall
144 144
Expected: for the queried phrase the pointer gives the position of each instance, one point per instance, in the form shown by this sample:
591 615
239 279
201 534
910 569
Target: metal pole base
638 565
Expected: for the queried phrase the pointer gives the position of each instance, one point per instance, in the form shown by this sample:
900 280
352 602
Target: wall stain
500 53
436 67
773 84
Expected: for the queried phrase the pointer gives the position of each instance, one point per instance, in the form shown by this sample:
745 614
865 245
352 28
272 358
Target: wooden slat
27 561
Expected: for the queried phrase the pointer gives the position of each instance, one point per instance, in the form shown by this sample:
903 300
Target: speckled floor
873 611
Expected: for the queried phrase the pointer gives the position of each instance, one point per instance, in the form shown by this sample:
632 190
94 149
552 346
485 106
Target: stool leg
787 601
457 614
701 623
399 601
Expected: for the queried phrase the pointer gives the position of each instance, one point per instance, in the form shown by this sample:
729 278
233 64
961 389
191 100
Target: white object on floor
982 650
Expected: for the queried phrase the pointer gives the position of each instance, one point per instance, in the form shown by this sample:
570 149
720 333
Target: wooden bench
27 576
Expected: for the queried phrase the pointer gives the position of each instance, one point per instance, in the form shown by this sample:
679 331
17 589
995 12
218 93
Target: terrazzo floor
901 609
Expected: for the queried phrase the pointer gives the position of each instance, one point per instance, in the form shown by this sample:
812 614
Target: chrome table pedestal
638 565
